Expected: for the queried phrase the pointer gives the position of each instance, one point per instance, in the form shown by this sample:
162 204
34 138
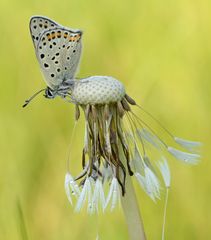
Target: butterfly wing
38 24
58 52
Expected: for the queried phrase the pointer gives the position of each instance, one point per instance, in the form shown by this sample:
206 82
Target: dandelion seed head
114 147
98 90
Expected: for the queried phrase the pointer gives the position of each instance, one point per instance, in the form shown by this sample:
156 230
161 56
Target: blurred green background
161 51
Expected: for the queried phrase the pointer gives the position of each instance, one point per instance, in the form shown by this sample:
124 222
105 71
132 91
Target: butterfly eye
49 93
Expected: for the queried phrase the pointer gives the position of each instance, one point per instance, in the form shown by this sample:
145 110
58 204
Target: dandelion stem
23 230
164 214
132 212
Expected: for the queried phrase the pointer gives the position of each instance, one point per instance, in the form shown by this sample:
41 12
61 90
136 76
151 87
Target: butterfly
58 51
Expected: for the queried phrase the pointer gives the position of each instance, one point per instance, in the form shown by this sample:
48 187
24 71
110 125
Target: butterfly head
49 93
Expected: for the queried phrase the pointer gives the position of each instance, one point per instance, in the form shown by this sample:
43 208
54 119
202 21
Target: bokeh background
161 51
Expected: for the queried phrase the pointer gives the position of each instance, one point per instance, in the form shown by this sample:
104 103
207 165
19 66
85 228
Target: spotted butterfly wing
38 24
58 51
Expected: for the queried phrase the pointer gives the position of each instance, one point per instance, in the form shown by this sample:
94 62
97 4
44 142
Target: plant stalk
164 214
132 213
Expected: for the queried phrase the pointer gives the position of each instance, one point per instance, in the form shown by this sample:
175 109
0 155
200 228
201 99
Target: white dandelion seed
98 197
190 158
165 171
187 144
85 195
141 180
71 187
149 137
137 161
107 173
152 184
149 183
113 195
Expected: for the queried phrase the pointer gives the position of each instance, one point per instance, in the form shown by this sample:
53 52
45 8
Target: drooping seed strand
125 105
77 112
120 109
130 100
106 112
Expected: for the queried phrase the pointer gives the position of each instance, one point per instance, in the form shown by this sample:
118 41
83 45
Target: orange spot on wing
59 34
71 39
77 37
74 38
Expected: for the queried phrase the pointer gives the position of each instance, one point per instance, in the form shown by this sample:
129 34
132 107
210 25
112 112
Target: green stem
164 215
132 213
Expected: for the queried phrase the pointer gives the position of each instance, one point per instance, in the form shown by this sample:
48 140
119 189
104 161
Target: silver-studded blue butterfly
58 50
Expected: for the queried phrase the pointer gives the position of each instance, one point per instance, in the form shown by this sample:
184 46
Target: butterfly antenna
32 97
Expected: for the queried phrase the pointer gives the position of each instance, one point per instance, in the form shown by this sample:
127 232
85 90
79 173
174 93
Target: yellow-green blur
161 51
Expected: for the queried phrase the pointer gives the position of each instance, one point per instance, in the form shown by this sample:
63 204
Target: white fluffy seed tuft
85 195
71 187
152 184
98 198
149 137
189 145
113 195
165 171
189 158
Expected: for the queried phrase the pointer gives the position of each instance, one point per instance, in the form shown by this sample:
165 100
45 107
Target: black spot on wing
38 24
